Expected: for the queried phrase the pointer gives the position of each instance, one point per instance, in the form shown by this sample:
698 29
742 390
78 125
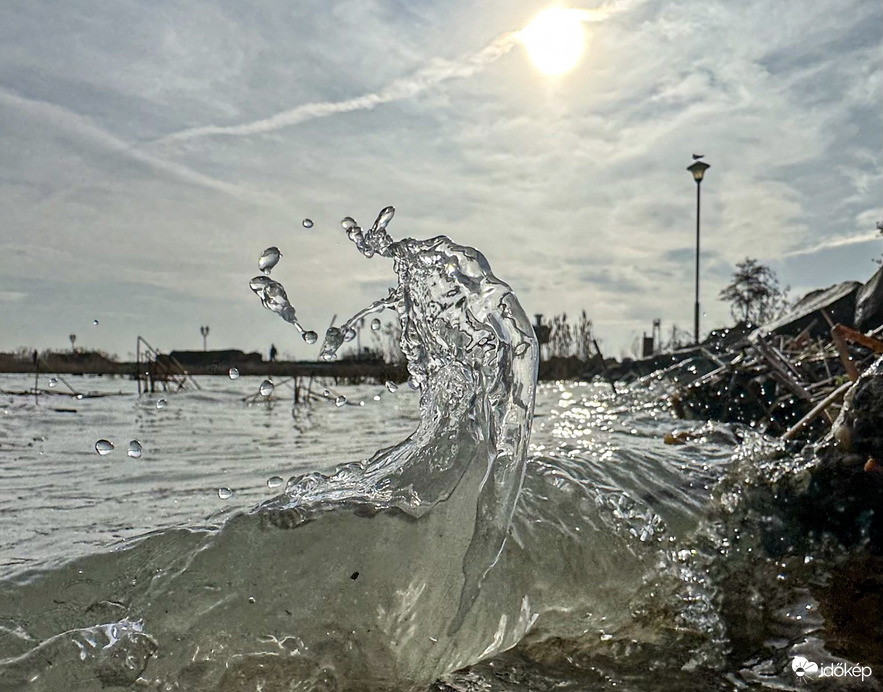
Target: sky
152 150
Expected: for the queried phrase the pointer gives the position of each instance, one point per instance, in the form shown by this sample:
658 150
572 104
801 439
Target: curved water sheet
384 575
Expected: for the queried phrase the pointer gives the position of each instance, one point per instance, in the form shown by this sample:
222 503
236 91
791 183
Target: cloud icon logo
802 666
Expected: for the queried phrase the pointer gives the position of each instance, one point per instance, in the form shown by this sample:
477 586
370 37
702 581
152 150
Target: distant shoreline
99 366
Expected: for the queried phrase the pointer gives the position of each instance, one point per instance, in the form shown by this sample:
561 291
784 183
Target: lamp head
698 170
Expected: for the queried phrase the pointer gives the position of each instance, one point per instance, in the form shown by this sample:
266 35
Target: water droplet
310 337
267 388
162 403
348 223
225 493
391 387
521 349
375 325
259 284
234 374
340 401
376 397
349 335
274 481
326 393
307 223
79 396
94 323
134 449
269 259
104 447
52 382
384 218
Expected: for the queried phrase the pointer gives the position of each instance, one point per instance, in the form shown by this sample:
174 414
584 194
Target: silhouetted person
273 353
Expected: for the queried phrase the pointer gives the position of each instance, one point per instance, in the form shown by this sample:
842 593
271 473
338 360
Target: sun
554 40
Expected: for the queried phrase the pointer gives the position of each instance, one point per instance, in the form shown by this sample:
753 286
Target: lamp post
698 169
204 332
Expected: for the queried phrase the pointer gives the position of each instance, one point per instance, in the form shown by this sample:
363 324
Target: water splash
463 331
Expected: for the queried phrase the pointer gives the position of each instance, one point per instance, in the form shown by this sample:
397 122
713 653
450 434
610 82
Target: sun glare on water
555 39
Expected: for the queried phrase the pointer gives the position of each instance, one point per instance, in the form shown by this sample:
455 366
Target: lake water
619 534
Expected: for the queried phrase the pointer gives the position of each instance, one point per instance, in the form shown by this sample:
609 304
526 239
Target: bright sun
554 39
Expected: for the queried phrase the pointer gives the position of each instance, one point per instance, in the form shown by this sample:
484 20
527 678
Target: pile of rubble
788 377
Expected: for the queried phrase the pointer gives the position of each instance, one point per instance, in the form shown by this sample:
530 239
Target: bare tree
754 294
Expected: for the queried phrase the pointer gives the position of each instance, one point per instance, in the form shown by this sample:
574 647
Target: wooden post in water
36 376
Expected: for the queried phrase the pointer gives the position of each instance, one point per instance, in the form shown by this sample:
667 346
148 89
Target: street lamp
73 338
204 332
698 169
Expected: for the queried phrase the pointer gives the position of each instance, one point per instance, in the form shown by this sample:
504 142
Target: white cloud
574 188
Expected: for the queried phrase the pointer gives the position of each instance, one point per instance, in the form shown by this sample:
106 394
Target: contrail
834 243
404 88
87 130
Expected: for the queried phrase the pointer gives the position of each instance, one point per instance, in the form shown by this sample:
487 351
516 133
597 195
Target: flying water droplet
349 335
274 481
134 449
233 373
326 393
162 403
375 325
52 381
259 284
384 218
267 388
391 387
269 259
307 223
310 337
104 447
348 223
333 340
225 493
340 401
94 323
376 397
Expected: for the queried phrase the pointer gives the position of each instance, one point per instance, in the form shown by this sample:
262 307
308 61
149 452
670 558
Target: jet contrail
834 243
406 87
87 130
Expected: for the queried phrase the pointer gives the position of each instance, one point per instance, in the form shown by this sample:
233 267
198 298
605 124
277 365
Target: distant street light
73 338
204 331
698 170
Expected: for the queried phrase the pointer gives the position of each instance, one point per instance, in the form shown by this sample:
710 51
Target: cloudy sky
152 150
